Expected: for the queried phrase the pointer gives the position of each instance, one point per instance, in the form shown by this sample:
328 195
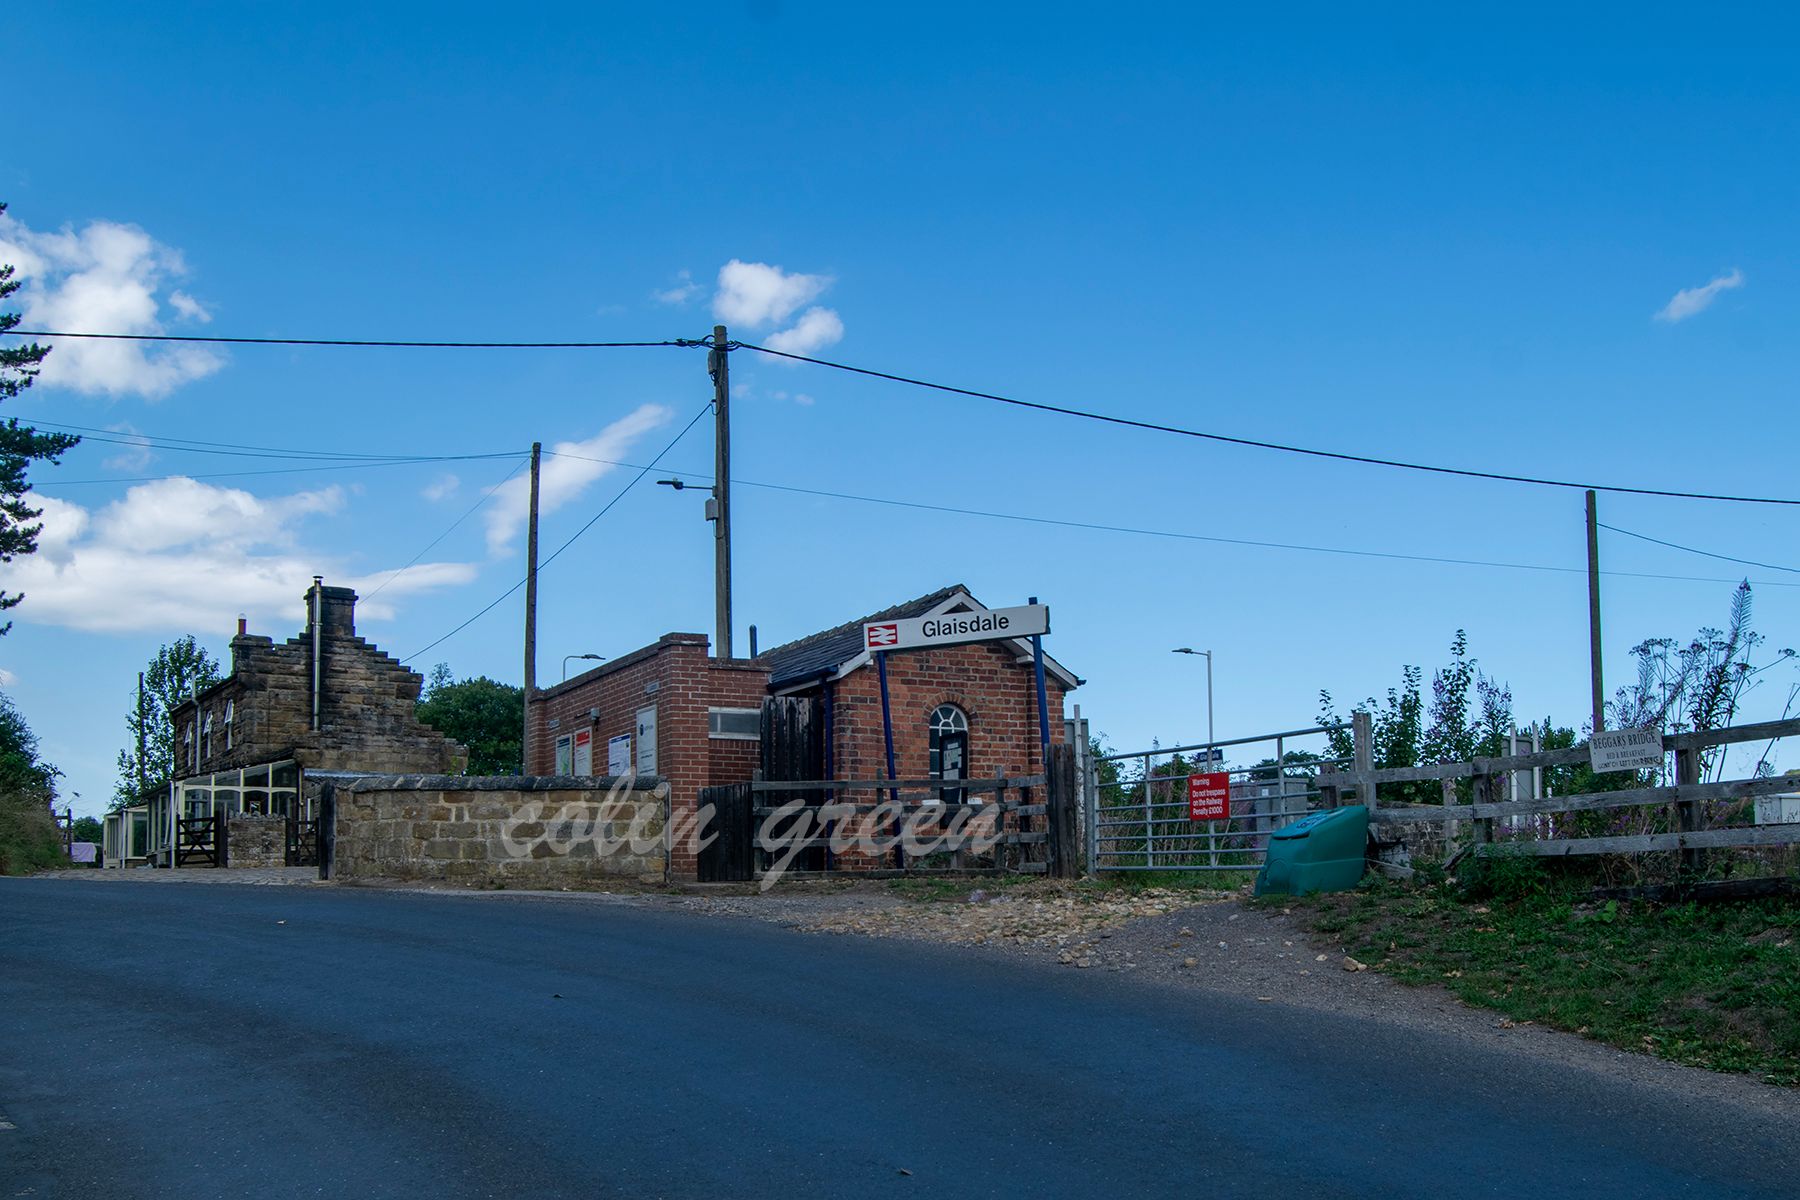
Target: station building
324 700
668 709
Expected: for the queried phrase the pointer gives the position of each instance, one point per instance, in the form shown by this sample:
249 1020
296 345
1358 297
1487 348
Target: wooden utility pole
1593 539
719 363
531 555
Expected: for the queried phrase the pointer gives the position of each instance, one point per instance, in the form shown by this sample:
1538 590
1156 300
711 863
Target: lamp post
1209 699
568 657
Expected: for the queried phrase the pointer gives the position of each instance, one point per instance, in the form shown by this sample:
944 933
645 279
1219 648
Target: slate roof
832 648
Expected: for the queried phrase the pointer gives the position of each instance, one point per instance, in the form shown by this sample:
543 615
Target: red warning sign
1209 796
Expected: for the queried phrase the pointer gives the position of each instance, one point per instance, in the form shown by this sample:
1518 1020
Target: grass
1714 986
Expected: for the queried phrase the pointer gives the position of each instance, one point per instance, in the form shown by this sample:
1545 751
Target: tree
180 669
29 839
1698 686
87 829
20 445
480 713
1408 733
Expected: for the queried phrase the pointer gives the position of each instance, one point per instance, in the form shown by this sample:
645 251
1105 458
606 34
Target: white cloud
178 555
759 294
442 487
1689 302
816 329
7 678
189 307
104 279
684 289
566 473
135 457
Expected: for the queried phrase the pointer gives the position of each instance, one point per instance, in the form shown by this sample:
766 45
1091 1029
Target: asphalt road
277 1041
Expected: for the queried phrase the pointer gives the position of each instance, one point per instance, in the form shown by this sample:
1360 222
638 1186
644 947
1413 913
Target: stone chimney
337 609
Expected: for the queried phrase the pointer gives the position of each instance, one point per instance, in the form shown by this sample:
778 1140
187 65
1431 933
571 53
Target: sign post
887 734
1043 703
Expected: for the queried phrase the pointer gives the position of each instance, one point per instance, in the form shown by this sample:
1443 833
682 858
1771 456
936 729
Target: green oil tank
1322 852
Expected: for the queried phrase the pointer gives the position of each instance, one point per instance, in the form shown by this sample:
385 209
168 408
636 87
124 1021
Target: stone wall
527 831
255 841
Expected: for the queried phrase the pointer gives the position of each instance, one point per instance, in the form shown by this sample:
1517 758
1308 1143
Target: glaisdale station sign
950 629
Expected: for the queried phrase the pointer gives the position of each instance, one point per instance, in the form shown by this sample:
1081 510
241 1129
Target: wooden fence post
1329 795
326 838
1483 789
1362 730
1687 812
1060 798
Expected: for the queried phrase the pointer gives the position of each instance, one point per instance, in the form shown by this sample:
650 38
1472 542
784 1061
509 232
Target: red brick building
668 709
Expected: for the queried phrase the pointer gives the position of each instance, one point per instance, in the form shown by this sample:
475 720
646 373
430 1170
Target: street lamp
568 657
1209 699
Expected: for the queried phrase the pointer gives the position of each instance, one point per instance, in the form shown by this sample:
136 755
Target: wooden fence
1014 823
1687 799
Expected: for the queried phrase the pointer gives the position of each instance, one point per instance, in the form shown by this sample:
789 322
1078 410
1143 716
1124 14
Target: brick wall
985 679
521 831
676 677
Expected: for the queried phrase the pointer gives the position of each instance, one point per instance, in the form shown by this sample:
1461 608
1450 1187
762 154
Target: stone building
325 700
669 710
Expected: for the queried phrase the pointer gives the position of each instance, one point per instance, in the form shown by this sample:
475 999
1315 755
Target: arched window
949 727
206 737
230 714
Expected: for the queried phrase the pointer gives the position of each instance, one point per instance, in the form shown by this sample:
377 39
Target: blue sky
1404 235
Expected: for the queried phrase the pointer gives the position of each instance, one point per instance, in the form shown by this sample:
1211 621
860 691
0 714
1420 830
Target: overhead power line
330 466
410 345
1369 460
451 528
1098 527
913 381
1748 562
156 441
606 508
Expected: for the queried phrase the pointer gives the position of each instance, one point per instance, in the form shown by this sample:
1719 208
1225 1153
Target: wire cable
618 496
1179 535
1748 562
414 345
155 441
488 495
1367 460
341 466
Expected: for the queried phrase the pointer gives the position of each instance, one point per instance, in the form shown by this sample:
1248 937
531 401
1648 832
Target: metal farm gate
1138 815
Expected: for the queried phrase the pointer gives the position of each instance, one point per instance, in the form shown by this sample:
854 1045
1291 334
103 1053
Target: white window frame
714 724
230 716
947 718
206 735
